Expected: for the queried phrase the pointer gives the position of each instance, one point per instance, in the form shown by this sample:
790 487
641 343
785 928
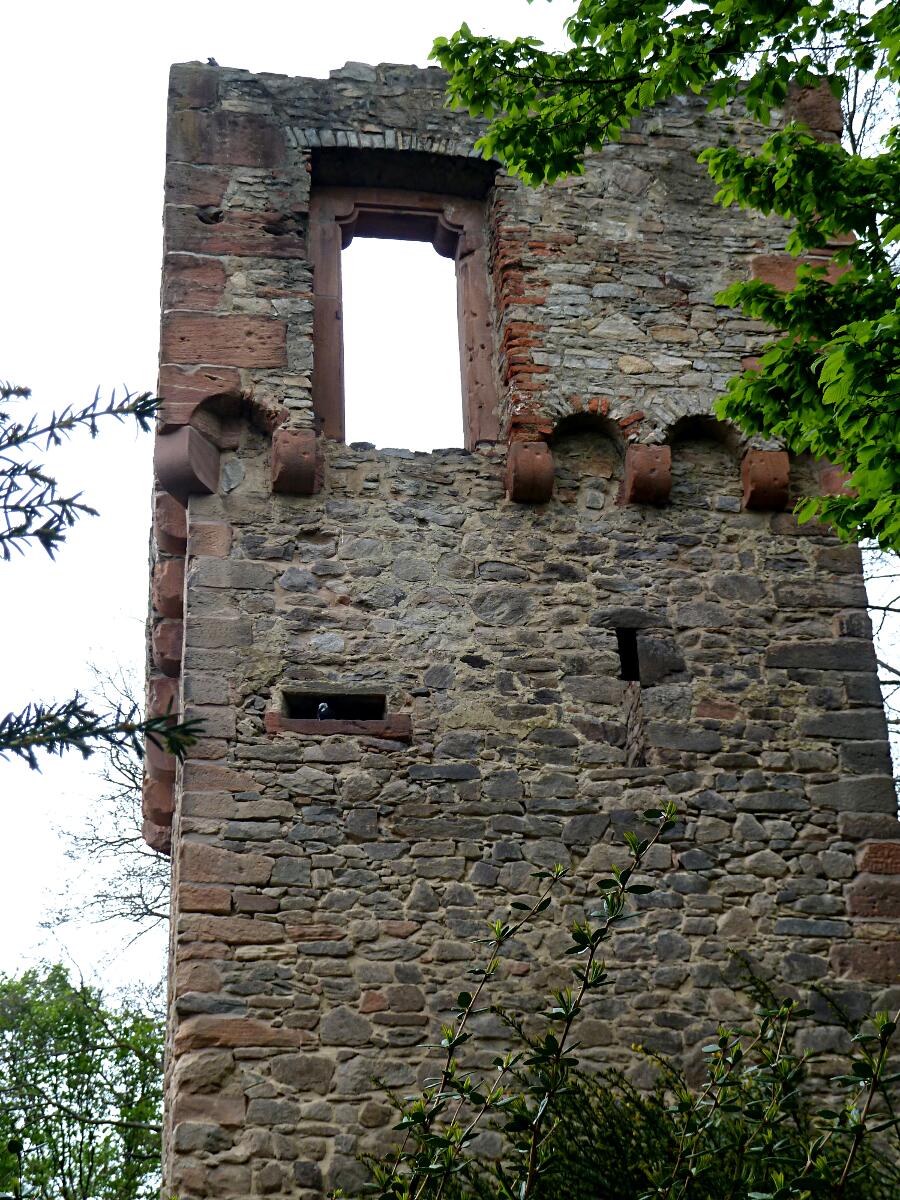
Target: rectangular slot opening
629 664
335 706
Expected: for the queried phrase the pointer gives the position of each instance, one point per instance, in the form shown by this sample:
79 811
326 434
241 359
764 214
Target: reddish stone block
167 588
315 933
395 727
780 270
204 1032
202 863
719 710
162 696
875 962
297 462
766 476
169 524
874 896
194 899
233 931
186 463
183 390
219 1109
833 481
158 837
816 107
373 1002
203 187
157 801
158 762
195 977
211 539
529 473
648 475
880 858
209 777
233 341
189 282
166 640
225 138
234 232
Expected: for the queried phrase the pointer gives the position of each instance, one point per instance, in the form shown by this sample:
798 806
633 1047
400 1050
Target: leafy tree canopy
830 386
80 1092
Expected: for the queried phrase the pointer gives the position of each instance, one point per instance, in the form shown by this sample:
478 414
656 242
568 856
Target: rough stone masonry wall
326 888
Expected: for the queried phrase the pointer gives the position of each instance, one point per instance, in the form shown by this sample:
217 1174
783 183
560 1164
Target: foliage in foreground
751 1131
80 1092
831 385
33 511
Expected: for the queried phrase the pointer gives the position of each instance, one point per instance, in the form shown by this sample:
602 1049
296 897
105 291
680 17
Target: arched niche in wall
455 226
588 453
706 458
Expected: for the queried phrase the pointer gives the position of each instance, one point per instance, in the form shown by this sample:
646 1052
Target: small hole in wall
629 663
334 706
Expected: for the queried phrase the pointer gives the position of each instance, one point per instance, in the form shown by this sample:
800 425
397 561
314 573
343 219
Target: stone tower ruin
601 602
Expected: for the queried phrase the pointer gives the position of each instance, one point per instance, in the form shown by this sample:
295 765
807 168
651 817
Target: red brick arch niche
456 228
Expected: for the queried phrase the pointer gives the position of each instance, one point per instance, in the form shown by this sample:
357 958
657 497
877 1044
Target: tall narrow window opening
401 345
630 671
456 230
630 667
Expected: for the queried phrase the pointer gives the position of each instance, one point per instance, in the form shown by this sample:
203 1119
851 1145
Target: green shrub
757 1128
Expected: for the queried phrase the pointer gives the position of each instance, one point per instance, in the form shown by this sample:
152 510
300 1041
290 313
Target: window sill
394 728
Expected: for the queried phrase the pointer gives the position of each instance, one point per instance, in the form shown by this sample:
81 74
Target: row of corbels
647 479
187 463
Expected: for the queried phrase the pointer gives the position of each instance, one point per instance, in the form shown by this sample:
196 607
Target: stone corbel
158 762
529 472
157 837
157 801
169 524
186 463
648 475
766 477
297 462
167 588
833 480
165 644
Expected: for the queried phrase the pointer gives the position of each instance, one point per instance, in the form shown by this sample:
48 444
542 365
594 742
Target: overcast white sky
83 134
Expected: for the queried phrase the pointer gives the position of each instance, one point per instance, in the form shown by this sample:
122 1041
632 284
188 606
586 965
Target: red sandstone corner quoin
601 606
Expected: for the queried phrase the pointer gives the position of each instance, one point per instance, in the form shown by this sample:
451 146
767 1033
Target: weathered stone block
167 593
874 896
843 655
166 640
878 962
880 858
202 863
233 341
862 793
223 137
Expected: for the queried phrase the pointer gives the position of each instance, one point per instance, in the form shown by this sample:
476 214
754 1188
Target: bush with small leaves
759 1128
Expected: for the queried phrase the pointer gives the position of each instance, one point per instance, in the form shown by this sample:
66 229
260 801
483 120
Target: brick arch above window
455 226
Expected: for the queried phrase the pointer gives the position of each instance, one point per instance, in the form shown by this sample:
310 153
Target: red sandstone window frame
456 228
